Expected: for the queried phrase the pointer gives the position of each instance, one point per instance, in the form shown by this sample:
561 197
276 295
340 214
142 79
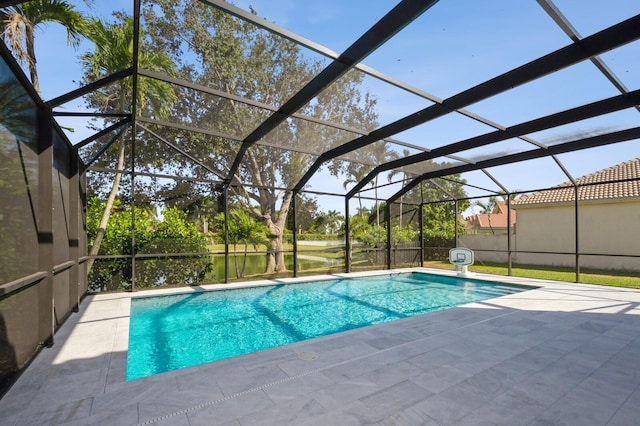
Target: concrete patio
560 354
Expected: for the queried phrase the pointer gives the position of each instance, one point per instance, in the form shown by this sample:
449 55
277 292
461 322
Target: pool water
171 332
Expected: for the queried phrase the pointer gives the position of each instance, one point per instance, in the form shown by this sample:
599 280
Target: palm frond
14 35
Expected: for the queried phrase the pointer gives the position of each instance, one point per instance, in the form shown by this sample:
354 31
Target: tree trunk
275 256
377 208
235 260
244 259
107 209
31 54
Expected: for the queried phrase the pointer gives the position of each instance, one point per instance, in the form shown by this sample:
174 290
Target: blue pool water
171 332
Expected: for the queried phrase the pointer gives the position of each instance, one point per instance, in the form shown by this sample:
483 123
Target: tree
173 234
355 173
400 235
20 23
333 221
381 154
307 214
439 216
114 52
189 198
243 229
438 208
377 153
368 234
405 153
236 57
488 208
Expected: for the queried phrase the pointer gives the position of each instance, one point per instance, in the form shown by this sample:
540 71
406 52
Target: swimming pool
171 332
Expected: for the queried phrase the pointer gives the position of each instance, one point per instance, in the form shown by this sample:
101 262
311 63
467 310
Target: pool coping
80 380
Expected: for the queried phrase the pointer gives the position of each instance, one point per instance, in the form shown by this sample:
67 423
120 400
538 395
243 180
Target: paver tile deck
560 354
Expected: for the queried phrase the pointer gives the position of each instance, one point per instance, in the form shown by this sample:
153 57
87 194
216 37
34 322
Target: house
494 223
608 221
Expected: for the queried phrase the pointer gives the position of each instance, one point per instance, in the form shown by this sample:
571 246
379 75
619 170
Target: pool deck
561 354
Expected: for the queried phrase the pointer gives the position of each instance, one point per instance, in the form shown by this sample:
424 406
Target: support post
83 249
421 219
133 209
387 209
347 236
225 195
455 222
509 273
576 203
295 234
74 231
46 303
134 113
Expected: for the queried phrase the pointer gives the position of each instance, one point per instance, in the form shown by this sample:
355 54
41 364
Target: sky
453 46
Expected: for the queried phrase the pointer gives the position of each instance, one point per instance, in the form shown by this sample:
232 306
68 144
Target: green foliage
402 235
173 234
113 52
307 214
488 207
332 221
370 235
439 218
244 230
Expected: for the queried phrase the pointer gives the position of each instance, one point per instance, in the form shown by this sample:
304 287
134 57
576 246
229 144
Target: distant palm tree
333 221
243 229
114 52
405 153
381 153
356 172
488 208
20 22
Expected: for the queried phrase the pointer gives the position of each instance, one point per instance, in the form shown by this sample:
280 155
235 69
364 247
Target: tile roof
498 219
565 192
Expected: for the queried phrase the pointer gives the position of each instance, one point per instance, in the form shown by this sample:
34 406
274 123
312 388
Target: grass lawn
611 278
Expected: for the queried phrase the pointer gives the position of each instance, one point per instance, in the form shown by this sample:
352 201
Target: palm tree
114 52
356 172
405 153
333 220
243 229
381 154
20 22
488 208
376 153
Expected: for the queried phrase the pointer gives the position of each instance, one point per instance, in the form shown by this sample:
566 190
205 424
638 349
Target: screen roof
509 96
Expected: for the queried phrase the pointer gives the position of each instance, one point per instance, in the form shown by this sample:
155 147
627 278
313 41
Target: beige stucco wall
487 248
604 228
